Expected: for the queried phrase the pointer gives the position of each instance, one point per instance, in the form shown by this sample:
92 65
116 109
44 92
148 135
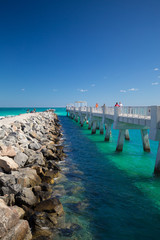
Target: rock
52 173
21 159
51 146
42 225
26 177
8 218
21 231
52 205
39 170
8 164
26 197
2 134
7 151
53 165
33 134
19 211
36 158
8 199
47 179
34 146
48 154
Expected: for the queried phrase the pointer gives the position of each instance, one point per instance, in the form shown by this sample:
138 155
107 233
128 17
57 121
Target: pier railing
127 111
135 112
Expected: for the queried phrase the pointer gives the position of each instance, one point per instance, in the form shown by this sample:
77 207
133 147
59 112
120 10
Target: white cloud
93 85
123 91
156 69
133 89
83 90
22 89
155 83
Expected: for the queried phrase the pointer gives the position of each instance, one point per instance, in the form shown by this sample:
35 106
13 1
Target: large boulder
52 205
26 197
27 177
9 218
7 151
8 164
34 146
21 159
36 158
21 231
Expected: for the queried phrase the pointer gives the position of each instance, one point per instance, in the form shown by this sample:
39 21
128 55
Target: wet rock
51 146
8 164
42 226
48 154
52 173
21 159
68 232
52 205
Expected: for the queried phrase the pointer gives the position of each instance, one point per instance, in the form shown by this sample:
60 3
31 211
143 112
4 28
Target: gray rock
2 134
26 197
21 159
34 146
36 158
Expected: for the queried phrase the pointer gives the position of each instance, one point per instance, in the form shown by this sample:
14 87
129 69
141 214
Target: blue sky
54 52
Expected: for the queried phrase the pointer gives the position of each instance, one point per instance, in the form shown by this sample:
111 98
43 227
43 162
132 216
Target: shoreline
30 149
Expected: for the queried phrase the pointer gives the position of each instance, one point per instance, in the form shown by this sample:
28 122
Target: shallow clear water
107 195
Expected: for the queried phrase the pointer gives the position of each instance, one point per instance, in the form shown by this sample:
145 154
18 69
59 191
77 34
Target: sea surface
106 195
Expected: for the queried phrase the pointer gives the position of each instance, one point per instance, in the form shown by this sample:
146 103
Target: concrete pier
157 164
123 119
101 128
120 142
94 127
108 133
127 135
145 140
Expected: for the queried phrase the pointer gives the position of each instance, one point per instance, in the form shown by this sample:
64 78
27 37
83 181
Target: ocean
106 195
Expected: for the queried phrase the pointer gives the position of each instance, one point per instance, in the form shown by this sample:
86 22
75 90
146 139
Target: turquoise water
107 195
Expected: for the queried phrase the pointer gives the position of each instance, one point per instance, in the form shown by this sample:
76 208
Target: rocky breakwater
30 148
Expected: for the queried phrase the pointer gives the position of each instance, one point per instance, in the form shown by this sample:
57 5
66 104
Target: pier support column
108 131
76 118
101 128
97 125
94 127
145 140
157 164
127 135
89 124
82 121
119 147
